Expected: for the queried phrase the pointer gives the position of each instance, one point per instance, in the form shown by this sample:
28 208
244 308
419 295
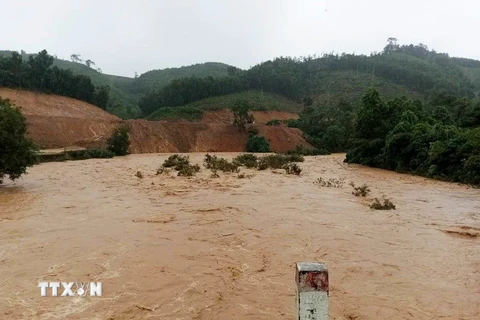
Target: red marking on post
314 280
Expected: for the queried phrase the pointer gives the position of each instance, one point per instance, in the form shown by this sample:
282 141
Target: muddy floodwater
167 247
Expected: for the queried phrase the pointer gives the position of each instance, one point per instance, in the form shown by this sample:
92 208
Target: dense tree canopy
406 136
17 152
186 90
37 73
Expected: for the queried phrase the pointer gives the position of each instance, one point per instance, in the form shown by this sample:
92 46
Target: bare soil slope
58 122
167 247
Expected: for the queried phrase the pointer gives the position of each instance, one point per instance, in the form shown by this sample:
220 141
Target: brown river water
167 247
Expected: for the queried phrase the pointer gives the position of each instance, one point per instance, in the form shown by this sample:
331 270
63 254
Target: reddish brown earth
58 122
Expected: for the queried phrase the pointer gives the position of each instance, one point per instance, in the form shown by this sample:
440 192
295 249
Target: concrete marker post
312 291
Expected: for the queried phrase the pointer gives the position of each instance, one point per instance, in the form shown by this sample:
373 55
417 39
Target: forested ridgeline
413 71
37 73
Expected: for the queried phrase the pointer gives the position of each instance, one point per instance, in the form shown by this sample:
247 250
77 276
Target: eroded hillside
58 122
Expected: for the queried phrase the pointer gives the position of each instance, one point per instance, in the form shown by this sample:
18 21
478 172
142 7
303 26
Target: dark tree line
186 90
37 74
280 76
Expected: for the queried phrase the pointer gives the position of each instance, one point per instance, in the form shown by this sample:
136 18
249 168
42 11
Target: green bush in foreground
258 144
17 152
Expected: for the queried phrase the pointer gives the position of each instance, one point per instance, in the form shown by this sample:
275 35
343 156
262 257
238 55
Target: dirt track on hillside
167 247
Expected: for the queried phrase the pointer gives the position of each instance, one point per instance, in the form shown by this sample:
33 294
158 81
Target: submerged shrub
243 175
162 170
181 164
293 168
247 159
386 204
214 174
295 157
330 183
361 191
277 161
188 170
222 164
176 161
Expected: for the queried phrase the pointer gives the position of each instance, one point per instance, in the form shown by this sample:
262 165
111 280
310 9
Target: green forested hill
413 71
155 79
471 68
124 91
123 102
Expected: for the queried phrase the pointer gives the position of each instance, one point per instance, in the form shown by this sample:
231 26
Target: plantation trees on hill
183 91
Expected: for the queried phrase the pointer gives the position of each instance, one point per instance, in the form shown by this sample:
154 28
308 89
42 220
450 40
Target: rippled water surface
167 247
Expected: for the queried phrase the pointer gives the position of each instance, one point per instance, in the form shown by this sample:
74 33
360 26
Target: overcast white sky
124 36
